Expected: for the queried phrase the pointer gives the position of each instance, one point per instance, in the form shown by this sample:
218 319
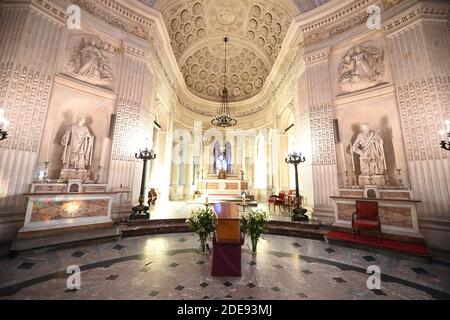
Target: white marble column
322 155
420 51
29 45
133 122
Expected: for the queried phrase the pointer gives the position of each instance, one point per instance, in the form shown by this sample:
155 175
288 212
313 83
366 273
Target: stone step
297 229
66 240
139 228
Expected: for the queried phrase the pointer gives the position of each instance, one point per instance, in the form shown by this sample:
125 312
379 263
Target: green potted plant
202 222
254 224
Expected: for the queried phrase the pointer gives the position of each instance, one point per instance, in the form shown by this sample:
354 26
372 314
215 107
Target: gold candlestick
347 182
45 172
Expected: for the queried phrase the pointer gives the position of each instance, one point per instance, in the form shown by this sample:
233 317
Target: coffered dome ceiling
256 29
256 32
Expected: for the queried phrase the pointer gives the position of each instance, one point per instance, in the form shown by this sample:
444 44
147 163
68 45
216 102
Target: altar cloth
227 258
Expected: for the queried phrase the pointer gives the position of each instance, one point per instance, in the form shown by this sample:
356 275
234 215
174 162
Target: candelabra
347 181
400 181
299 212
445 136
141 211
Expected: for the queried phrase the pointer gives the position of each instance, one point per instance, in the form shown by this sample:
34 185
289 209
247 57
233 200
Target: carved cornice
50 9
118 16
317 56
421 10
211 113
337 22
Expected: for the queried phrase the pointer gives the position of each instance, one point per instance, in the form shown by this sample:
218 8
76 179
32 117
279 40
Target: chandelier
224 119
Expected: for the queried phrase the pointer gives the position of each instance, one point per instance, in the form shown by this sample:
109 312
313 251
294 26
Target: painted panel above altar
222 188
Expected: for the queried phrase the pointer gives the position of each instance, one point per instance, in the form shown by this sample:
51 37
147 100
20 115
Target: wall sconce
3 124
445 136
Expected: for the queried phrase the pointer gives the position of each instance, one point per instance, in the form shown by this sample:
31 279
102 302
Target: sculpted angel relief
90 60
361 68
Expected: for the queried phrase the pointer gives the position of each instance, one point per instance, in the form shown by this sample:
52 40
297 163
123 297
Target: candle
103 155
343 157
206 200
353 158
395 153
442 133
448 125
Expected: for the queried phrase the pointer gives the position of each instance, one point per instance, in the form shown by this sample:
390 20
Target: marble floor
170 267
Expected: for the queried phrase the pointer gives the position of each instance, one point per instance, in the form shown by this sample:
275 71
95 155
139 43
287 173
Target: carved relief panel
361 67
90 59
360 64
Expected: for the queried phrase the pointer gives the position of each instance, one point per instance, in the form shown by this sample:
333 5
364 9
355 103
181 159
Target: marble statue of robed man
78 145
369 146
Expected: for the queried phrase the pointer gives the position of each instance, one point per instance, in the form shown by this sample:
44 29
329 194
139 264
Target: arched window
217 154
228 156
260 163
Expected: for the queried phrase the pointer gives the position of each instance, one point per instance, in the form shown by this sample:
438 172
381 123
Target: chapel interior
120 119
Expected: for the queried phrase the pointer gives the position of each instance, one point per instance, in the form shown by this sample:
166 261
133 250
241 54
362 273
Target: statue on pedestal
78 145
221 164
369 146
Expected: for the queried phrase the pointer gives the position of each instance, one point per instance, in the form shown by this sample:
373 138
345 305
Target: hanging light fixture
224 119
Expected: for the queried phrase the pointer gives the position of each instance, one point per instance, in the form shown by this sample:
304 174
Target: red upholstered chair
366 217
277 200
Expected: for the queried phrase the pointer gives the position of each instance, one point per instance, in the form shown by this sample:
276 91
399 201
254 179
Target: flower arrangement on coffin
202 222
254 224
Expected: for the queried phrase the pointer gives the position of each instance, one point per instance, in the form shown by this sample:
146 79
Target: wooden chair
290 201
366 217
152 197
279 200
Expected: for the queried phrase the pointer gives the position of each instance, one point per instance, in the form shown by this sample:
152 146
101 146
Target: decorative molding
111 11
26 105
322 135
211 114
428 10
317 56
50 9
420 104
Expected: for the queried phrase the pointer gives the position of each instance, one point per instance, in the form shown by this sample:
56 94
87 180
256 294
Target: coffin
228 223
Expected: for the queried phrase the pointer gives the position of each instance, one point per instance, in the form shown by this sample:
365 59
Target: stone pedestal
397 209
73 174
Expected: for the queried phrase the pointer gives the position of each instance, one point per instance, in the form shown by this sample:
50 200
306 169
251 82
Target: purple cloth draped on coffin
227 259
